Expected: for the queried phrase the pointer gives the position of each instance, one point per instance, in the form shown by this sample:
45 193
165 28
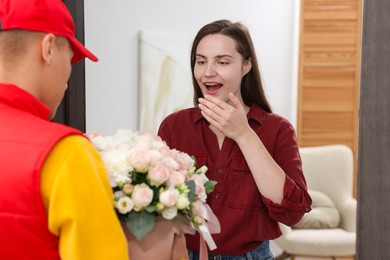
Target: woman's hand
229 118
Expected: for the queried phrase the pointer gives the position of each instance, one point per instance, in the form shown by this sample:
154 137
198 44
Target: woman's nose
210 70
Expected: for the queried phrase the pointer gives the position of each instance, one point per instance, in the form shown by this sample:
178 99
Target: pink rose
175 178
142 196
197 208
170 163
185 174
155 157
164 149
158 175
173 153
199 187
139 159
185 161
169 197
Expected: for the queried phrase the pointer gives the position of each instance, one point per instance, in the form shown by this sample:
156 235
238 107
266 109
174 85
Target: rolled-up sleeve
296 200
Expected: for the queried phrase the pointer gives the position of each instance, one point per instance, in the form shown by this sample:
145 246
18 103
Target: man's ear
48 44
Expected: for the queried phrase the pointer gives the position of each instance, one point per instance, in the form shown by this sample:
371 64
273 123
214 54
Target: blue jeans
260 253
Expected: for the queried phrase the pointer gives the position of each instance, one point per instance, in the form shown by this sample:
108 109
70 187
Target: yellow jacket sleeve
78 200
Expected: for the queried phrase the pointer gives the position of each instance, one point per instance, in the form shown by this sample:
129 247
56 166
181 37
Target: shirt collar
22 100
255 113
197 115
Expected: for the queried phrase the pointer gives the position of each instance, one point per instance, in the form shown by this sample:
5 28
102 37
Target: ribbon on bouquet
210 226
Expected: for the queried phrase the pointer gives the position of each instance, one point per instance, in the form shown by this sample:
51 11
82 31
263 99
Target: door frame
71 111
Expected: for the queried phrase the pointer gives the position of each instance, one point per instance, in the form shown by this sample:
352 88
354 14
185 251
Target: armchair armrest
285 229
348 215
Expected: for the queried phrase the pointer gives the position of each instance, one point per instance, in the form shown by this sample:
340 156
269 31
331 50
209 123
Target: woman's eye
200 62
223 62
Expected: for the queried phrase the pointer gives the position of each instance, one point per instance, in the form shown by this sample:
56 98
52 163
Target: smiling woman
249 150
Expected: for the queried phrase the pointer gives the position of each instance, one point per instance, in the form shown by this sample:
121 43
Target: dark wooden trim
72 109
373 226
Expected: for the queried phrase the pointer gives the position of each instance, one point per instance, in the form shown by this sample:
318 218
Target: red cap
48 16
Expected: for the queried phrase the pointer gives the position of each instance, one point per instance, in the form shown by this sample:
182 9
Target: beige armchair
328 170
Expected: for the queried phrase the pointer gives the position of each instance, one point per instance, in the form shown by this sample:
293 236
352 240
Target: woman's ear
247 65
48 44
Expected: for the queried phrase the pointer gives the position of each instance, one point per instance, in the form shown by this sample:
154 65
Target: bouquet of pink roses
151 180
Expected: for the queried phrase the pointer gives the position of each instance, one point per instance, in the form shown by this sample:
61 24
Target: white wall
112 29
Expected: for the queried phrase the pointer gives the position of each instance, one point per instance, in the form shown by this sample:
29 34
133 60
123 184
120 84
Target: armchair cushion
323 214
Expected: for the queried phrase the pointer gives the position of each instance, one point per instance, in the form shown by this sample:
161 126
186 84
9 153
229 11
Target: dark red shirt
247 218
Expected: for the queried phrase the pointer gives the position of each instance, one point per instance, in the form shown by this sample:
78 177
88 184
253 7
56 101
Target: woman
251 152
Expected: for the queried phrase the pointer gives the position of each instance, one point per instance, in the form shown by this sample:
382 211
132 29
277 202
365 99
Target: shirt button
219 170
307 209
217 195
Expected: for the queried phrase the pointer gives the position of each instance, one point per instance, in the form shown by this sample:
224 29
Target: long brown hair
251 87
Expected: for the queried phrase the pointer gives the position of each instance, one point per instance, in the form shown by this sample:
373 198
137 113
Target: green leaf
209 186
191 194
150 208
140 223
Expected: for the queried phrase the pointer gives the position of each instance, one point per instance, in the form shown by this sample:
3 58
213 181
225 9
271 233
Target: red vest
26 138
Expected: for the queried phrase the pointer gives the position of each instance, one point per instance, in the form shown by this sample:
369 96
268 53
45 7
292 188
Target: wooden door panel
329 72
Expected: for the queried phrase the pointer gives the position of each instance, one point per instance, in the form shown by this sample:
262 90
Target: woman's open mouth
212 88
